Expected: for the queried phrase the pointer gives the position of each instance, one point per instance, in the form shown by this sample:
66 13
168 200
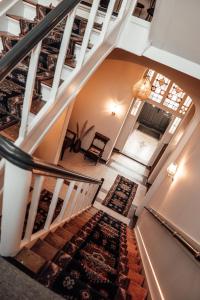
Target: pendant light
142 88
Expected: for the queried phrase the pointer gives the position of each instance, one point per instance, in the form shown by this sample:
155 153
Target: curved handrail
32 38
178 235
23 160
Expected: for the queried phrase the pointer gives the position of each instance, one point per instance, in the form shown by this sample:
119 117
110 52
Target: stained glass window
150 74
174 97
159 88
185 106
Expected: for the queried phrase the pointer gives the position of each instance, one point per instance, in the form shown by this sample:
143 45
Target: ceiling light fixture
142 88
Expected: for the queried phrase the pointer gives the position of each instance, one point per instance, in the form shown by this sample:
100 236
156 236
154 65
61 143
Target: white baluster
62 54
88 30
16 190
73 200
91 194
34 206
107 18
59 184
30 84
78 198
66 203
83 201
123 7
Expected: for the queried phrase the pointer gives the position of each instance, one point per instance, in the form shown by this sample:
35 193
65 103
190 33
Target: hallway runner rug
93 265
121 195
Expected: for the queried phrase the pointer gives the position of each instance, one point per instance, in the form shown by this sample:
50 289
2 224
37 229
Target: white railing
109 21
22 196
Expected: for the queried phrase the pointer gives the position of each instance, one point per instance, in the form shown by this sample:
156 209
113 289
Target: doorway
143 141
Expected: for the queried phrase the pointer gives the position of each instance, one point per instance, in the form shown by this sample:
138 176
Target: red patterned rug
121 195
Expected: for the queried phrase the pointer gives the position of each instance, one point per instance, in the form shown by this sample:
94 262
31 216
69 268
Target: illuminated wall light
114 108
171 170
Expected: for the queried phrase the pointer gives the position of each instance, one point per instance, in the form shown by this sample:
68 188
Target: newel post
17 183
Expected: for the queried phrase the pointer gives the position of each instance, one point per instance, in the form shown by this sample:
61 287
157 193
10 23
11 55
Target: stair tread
64 234
7 34
11 132
30 2
55 240
44 249
30 260
136 291
18 18
71 228
36 106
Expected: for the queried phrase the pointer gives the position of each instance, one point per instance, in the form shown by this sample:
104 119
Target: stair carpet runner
13 87
93 256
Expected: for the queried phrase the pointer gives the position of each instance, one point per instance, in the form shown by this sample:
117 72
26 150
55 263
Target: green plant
81 134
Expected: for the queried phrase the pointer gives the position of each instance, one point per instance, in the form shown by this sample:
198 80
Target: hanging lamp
142 88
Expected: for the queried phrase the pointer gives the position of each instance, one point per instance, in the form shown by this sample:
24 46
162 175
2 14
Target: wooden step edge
18 18
44 249
30 260
30 2
55 240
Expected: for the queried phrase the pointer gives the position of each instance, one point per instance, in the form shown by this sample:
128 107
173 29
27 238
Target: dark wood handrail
23 160
32 38
186 242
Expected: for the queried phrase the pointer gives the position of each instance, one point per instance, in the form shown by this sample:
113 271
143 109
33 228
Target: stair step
55 240
30 2
71 228
66 235
137 292
93 210
136 277
44 249
79 221
30 260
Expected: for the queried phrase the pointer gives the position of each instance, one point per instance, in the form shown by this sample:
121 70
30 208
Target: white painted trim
10 4
152 280
176 62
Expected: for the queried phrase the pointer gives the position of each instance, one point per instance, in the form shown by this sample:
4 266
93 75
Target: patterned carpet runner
121 195
93 264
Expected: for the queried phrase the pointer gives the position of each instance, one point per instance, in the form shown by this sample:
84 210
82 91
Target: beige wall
50 148
111 83
179 200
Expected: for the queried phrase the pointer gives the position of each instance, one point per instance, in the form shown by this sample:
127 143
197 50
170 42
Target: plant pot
77 146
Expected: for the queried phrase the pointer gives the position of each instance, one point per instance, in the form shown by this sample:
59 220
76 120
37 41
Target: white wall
179 200
175 28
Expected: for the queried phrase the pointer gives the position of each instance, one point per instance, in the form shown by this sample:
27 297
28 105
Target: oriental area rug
121 195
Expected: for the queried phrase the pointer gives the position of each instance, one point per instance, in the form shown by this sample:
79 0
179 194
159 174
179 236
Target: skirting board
112 213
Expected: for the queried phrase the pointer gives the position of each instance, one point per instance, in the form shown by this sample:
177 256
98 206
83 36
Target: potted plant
80 135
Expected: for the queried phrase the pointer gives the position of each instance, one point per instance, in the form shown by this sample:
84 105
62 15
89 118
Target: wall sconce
115 109
171 170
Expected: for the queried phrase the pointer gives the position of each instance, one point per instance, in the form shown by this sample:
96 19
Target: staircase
48 52
92 255
40 85
59 239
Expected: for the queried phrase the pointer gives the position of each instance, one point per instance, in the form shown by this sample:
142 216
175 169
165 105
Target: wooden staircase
13 87
60 251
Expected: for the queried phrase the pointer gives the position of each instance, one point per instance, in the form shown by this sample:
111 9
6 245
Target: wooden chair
68 142
96 149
